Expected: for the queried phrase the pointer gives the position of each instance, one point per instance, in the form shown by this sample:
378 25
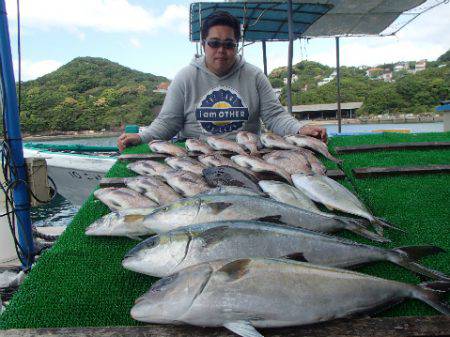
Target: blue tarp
263 21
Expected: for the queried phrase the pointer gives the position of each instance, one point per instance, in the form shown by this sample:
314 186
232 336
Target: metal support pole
264 57
14 139
290 55
338 82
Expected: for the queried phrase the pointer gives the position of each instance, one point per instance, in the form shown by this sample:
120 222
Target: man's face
221 59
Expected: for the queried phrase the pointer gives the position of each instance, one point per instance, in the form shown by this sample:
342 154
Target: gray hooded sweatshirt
200 104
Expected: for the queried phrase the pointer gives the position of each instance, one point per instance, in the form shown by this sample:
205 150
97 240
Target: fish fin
417 252
383 223
236 269
214 235
296 257
361 230
406 256
428 292
133 217
134 237
242 328
218 207
271 218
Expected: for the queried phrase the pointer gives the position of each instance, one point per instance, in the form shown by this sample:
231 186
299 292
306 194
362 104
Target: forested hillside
408 92
89 94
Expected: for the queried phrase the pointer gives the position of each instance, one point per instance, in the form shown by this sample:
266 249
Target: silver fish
162 146
127 223
316 165
197 145
291 161
233 190
168 253
313 144
248 140
259 165
153 188
148 168
335 196
288 194
216 159
208 208
185 182
268 293
218 143
122 198
272 140
186 164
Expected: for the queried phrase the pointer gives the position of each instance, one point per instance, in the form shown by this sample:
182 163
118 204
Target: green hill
409 92
89 93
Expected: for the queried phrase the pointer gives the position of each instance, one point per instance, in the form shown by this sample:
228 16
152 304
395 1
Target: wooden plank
112 182
397 170
336 174
374 327
393 146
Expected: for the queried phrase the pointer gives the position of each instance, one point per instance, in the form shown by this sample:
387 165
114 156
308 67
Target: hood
199 62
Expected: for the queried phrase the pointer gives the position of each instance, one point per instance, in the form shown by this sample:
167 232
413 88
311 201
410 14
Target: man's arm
171 117
274 116
277 119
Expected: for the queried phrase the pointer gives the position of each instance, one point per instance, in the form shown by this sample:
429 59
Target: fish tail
358 228
406 257
429 292
378 222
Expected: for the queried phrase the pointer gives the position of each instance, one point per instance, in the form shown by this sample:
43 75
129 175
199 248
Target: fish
162 146
148 168
272 140
230 176
216 159
316 165
186 183
128 223
259 165
208 208
292 162
248 140
288 194
313 144
233 190
168 253
333 195
218 143
186 164
197 145
153 188
245 294
122 198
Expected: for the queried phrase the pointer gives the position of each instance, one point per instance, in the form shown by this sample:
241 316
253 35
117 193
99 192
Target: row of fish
244 253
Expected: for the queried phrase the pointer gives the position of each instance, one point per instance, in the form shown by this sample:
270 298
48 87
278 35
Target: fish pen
79 287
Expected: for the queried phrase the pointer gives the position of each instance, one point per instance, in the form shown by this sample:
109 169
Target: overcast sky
152 36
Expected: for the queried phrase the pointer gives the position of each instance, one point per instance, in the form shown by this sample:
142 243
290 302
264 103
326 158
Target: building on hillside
327 79
401 66
386 76
325 111
294 78
371 72
162 87
421 65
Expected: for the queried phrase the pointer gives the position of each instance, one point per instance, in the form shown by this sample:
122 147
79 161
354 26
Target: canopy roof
267 21
262 21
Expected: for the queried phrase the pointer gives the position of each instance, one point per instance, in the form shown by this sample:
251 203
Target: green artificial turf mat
80 282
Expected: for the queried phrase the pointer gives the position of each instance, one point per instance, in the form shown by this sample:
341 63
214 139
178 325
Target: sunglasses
227 44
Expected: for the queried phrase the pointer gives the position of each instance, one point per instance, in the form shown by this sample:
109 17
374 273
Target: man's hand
314 131
128 139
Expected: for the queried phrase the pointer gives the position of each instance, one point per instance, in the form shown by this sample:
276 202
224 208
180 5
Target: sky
152 37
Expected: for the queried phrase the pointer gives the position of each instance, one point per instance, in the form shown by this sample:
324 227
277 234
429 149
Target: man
220 94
